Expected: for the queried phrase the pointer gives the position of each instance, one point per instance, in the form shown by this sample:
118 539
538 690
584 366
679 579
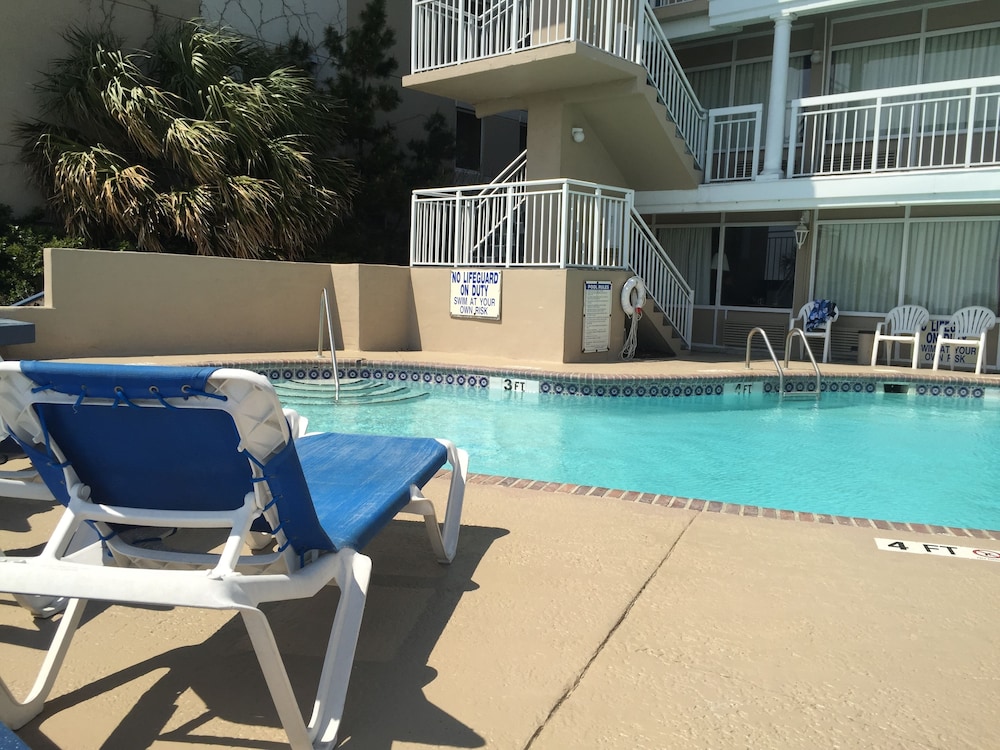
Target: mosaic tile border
670 386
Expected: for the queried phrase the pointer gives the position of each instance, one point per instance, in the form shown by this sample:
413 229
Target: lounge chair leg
332 690
352 577
15 713
444 537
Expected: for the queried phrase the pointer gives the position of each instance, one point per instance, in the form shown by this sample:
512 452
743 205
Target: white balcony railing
733 152
543 223
546 223
452 32
950 125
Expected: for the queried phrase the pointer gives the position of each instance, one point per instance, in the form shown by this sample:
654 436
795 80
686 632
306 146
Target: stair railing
664 283
673 88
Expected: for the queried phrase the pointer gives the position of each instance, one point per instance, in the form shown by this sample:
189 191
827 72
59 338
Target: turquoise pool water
882 456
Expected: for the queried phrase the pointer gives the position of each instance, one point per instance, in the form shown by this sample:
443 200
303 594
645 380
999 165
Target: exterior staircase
609 60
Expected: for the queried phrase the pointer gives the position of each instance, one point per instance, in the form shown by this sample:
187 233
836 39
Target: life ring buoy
634 284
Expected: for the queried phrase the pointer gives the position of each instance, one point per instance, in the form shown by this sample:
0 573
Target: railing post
564 223
876 135
971 125
639 30
598 213
710 148
509 243
627 229
460 42
574 20
793 141
413 228
458 228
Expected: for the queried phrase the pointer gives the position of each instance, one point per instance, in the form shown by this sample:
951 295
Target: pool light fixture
802 231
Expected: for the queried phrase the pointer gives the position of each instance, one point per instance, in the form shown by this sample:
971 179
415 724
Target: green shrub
21 244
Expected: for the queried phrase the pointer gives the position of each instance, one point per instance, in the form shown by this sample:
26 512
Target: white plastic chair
821 330
125 446
970 324
902 325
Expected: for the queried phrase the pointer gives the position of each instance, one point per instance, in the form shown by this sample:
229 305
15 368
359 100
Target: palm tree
204 143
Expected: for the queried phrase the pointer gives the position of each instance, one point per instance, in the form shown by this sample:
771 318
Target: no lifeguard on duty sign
938 550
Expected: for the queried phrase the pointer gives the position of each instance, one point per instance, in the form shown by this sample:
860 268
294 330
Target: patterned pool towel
822 311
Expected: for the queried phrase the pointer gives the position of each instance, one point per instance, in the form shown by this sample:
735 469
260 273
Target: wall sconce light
578 134
802 231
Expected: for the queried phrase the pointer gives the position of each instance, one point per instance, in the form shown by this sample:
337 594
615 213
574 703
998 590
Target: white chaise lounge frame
229 580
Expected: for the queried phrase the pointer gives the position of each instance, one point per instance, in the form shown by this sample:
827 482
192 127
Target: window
757 267
748 83
972 54
875 66
468 140
952 264
948 265
761 266
920 57
691 250
857 265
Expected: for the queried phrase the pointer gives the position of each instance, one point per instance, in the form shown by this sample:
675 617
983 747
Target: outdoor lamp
801 231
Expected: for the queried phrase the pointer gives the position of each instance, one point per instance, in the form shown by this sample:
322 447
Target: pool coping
733 509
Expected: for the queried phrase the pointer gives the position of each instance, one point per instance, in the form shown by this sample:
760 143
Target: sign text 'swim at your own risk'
475 293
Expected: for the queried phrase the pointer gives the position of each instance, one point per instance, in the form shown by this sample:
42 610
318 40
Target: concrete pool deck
567 621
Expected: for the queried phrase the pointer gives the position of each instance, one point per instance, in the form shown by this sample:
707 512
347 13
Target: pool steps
353 391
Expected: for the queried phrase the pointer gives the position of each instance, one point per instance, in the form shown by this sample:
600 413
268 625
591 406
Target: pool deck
568 621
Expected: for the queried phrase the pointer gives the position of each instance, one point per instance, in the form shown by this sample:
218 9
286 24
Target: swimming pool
891 456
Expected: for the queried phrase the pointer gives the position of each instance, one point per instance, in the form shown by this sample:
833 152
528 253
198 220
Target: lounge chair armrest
297 424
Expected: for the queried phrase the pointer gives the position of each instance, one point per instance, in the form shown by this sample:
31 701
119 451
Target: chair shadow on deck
410 603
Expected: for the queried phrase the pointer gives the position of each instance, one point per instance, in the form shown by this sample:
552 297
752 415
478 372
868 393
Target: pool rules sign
596 316
475 293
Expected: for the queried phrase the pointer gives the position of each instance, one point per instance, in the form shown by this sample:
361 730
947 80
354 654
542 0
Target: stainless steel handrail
324 310
805 342
777 365
770 350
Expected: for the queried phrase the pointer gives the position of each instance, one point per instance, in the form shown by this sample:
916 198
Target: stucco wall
102 303
541 316
107 304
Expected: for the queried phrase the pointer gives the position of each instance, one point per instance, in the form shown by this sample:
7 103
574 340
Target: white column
774 137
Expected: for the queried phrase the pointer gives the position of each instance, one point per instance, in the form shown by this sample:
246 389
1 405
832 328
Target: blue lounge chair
125 446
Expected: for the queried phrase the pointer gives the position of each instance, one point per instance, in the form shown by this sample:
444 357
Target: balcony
941 126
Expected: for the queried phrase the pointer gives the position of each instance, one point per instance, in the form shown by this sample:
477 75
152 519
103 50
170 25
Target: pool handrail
777 365
770 350
324 310
788 351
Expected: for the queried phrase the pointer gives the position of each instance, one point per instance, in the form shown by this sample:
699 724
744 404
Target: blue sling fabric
9 740
330 490
359 482
100 381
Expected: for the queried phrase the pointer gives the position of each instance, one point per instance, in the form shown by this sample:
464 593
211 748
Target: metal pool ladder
781 371
324 313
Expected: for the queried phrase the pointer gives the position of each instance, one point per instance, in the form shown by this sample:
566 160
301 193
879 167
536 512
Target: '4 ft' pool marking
938 550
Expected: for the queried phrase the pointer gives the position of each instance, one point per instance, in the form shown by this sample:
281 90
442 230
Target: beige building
740 157
723 126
